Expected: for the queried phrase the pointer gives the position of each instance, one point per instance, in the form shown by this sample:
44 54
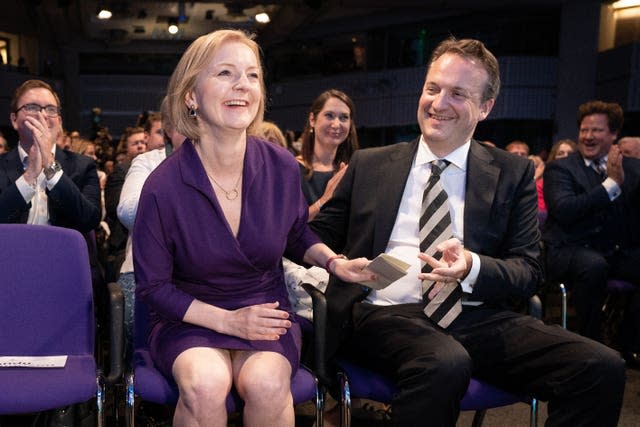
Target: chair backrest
46 305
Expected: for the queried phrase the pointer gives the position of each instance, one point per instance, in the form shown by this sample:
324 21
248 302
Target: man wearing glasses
38 183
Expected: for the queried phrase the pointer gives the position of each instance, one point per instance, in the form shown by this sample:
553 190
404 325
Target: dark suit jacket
115 182
74 202
580 212
500 222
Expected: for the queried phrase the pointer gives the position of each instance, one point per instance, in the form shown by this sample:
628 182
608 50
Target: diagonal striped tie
600 167
435 227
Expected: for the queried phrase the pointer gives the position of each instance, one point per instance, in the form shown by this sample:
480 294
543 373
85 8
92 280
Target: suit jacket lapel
14 168
393 174
481 183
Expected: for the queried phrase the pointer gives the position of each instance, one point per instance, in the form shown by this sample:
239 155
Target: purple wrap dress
184 249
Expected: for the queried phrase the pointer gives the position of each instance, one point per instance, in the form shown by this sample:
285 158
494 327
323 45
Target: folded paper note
387 269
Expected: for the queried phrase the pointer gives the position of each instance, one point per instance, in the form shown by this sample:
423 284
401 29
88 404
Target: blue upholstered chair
46 309
147 383
358 382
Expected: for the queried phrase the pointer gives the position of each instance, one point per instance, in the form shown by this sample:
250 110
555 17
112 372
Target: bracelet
327 265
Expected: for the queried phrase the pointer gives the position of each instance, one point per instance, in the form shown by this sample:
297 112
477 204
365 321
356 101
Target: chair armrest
535 307
116 333
319 303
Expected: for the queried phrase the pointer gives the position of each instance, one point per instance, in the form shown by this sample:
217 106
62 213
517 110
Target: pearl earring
193 113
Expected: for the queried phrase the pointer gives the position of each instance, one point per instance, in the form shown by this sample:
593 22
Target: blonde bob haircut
183 80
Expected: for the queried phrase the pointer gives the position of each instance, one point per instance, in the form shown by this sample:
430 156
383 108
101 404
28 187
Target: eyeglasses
49 110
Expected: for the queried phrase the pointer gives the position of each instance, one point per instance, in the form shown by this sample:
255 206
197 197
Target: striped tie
435 227
600 167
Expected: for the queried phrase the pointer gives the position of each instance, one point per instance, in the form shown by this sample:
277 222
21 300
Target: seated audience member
630 146
4 145
43 184
133 143
592 231
221 315
293 144
39 183
141 167
271 132
519 148
329 138
561 149
464 216
538 165
153 131
64 140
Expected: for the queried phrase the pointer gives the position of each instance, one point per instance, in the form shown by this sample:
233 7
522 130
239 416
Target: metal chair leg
563 314
478 418
533 417
129 413
345 401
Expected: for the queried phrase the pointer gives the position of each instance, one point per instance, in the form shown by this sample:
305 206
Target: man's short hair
613 111
476 50
28 85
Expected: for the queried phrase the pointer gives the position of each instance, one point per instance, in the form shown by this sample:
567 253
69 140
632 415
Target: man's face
41 97
630 147
595 137
518 150
451 103
155 139
136 144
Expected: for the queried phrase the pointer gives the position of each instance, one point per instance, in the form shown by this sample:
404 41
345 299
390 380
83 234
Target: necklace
231 194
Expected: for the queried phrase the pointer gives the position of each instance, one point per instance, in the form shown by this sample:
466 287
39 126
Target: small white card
388 269
33 361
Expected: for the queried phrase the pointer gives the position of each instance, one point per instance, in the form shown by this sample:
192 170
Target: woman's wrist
330 260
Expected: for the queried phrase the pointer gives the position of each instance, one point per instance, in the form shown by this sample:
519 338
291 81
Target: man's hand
35 165
614 165
43 136
453 266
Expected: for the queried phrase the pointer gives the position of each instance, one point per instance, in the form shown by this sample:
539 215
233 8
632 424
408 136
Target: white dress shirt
141 167
39 212
612 187
404 242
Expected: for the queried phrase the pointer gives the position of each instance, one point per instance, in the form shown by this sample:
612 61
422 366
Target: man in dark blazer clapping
491 259
592 232
39 183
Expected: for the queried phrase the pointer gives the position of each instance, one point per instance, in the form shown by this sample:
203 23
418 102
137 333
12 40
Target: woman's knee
202 383
265 385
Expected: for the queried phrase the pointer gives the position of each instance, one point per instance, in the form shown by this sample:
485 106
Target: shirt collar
457 157
588 162
23 153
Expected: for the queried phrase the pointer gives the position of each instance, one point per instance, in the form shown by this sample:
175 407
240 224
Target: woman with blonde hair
214 220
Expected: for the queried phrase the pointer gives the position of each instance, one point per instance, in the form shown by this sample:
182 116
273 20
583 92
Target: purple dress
184 249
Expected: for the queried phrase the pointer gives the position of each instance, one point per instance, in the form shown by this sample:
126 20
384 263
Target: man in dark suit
52 186
42 184
593 226
491 200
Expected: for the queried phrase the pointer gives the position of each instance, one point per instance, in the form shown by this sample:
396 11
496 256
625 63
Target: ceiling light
621 4
173 29
263 18
104 13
